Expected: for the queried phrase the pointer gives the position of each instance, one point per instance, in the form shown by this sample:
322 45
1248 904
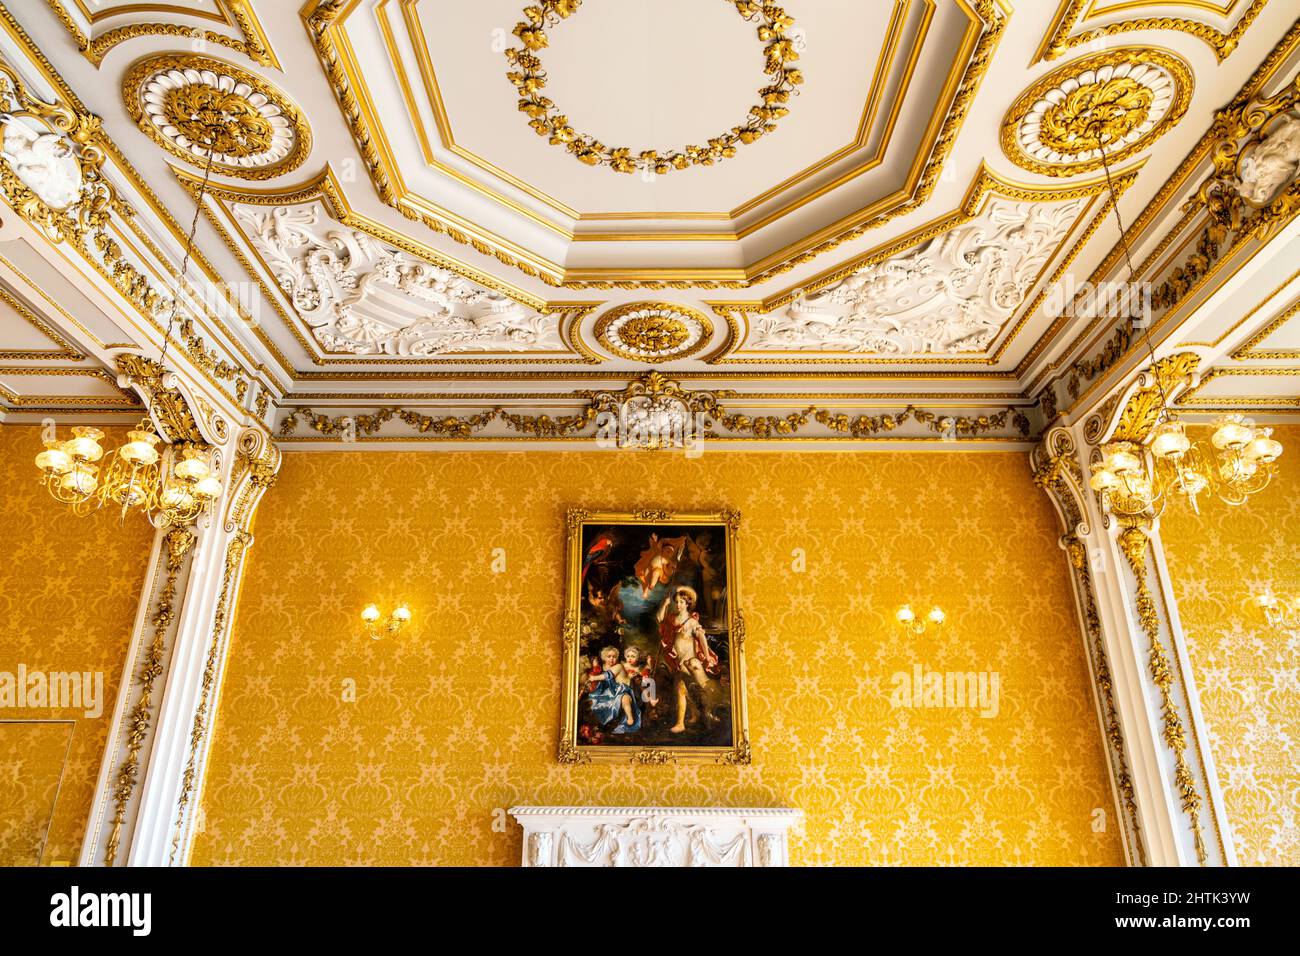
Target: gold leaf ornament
529 78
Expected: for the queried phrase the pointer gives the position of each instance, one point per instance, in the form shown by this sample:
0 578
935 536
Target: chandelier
1139 479
171 485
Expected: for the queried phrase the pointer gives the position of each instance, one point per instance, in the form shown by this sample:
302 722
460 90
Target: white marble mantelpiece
655 836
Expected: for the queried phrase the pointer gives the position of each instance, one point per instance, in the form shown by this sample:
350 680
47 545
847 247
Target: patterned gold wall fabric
69 588
457 719
34 753
1244 669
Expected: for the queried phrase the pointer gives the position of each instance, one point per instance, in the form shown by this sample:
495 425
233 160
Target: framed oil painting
654 639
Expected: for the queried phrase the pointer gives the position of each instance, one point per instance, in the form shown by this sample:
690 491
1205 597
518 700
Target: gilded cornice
66 349
1060 40
252 41
110 149
1201 266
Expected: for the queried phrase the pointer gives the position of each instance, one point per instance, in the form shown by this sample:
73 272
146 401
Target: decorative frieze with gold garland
715 409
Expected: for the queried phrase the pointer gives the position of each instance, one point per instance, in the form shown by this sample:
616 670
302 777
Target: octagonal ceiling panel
451 144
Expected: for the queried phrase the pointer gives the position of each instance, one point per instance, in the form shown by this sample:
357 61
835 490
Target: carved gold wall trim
320 16
1057 471
252 41
1133 541
1059 39
1167 377
176 545
256 466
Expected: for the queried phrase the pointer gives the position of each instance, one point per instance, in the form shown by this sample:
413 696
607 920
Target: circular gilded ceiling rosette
1118 100
653 331
181 101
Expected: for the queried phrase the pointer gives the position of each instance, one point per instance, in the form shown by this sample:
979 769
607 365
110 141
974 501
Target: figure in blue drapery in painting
613 702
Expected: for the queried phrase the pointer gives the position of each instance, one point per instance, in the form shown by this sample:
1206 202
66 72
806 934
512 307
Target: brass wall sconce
908 620
370 616
1280 611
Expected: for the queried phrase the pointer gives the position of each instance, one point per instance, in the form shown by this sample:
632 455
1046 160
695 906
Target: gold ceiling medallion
653 331
1124 98
529 78
174 98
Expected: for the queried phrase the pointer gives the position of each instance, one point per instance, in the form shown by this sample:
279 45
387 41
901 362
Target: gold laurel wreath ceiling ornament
529 79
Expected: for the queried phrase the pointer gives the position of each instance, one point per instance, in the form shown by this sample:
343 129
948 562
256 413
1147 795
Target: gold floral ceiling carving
529 79
1119 101
653 331
176 98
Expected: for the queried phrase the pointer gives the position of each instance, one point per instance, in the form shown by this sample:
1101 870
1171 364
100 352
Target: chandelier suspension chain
189 248
1128 259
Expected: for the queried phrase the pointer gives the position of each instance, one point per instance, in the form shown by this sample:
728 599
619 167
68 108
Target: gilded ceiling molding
252 41
653 331
125 402
653 394
1130 415
946 288
320 17
1190 400
1060 39
69 96
52 176
1057 471
174 98
1126 98
65 350
318 274
1252 192
529 78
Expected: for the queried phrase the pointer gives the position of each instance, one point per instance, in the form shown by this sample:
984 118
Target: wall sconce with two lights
907 619
370 616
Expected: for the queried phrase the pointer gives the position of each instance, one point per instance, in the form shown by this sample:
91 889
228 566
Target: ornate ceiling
823 203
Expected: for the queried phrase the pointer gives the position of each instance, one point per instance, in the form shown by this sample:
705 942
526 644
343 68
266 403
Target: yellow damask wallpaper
1245 670
69 588
331 748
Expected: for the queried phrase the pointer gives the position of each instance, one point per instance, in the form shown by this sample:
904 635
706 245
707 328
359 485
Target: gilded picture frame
654 639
